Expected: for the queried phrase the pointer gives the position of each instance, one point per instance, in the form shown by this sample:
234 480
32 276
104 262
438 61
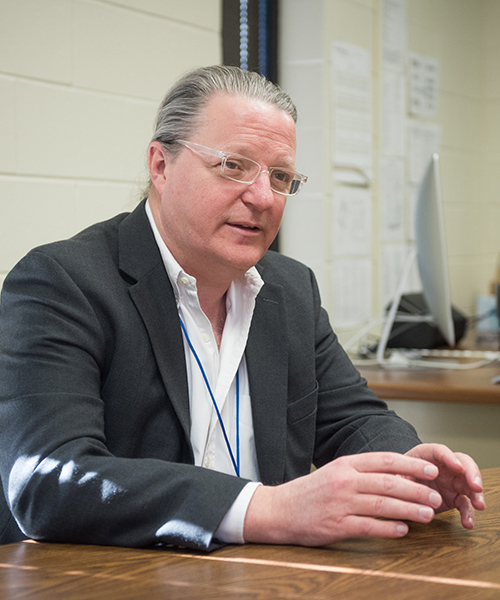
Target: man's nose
259 193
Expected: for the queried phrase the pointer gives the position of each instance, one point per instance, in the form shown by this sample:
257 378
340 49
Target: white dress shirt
220 366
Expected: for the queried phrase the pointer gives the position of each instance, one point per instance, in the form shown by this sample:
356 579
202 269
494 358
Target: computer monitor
432 262
431 250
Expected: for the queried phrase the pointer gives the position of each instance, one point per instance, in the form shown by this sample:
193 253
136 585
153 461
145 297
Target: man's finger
398 464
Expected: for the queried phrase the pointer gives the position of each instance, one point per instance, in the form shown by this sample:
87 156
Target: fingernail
435 499
478 481
402 529
431 470
426 513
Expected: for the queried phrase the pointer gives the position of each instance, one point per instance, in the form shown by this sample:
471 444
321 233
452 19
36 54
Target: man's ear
157 162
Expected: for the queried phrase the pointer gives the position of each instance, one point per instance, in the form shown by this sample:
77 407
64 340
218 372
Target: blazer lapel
267 361
140 261
266 353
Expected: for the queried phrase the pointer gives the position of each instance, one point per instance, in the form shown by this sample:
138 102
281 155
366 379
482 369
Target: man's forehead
238 122
224 107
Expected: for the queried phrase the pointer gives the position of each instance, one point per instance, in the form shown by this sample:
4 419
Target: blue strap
236 463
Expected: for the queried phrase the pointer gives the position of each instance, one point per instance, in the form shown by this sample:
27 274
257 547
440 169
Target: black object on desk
422 335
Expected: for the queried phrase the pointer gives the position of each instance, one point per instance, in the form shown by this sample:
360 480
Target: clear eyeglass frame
242 169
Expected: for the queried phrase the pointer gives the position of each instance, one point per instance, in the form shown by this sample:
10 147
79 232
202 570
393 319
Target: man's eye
282 176
234 165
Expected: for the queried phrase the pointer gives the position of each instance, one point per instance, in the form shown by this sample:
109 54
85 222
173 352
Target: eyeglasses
245 170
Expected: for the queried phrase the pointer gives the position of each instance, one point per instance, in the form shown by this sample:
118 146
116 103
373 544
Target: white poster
394 259
392 199
393 114
424 140
394 33
352 217
352 113
352 147
424 85
351 77
352 293
412 194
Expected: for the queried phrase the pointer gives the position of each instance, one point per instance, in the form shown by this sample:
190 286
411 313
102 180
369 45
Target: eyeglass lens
239 168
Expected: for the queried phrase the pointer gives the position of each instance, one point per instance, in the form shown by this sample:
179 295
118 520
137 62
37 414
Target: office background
80 81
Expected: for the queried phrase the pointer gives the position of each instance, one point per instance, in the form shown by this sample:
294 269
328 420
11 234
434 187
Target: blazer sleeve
60 479
350 418
296 362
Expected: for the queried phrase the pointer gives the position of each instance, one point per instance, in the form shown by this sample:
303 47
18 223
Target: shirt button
206 337
184 281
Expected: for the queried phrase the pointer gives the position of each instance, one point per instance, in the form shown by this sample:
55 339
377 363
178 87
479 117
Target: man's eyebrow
248 152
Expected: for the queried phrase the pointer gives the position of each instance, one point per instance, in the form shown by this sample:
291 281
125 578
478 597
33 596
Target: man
157 368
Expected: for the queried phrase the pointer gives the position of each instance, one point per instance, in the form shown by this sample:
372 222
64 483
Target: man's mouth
245 226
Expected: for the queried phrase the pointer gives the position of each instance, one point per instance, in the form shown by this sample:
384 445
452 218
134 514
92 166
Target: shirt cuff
230 531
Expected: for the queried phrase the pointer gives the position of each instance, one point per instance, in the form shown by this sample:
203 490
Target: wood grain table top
439 385
437 561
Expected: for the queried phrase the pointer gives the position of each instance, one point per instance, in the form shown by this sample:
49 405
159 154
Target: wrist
262 521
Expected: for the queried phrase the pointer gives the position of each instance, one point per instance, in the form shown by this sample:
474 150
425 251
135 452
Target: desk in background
458 408
439 385
439 561
472 386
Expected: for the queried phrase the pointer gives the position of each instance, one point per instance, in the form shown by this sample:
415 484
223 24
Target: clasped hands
371 494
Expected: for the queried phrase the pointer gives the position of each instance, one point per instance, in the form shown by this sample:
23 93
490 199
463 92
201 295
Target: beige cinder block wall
80 81
464 36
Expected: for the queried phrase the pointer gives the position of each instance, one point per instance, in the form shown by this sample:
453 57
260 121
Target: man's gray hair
181 110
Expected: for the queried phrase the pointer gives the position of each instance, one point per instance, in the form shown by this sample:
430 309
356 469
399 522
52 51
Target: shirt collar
251 280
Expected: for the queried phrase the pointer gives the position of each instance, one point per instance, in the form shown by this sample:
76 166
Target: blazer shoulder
296 280
286 272
281 265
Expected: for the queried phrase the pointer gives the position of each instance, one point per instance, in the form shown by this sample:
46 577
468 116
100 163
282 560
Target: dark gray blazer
94 411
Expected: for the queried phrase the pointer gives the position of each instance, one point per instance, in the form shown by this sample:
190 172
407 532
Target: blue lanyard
236 463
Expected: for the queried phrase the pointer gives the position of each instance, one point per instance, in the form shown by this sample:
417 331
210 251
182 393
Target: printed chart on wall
409 101
352 153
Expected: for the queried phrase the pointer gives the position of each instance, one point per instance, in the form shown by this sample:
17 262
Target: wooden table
437 561
472 386
439 385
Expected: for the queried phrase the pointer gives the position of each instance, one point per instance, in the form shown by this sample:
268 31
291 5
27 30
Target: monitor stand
398 359
392 315
404 358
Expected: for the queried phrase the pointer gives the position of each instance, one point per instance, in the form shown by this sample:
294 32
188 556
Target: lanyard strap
236 462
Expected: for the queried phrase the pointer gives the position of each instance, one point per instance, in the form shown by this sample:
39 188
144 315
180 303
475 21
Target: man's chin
242 261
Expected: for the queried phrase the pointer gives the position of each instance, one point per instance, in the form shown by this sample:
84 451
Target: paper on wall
352 113
351 77
393 114
392 199
352 293
394 33
394 257
424 72
352 147
352 216
412 194
424 140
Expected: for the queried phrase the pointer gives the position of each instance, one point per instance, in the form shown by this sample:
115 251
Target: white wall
490 126
464 36
80 82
